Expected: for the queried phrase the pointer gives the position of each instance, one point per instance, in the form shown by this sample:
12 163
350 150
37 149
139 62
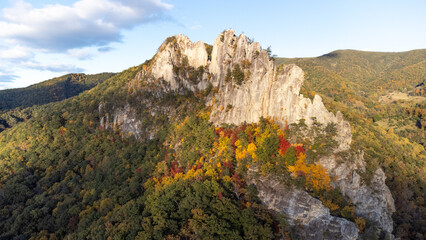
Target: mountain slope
17 105
381 95
367 71
65 176
53 90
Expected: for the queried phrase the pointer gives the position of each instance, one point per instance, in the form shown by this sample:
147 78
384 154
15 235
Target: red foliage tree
237 180
284 145
175 168
234 138
228 164
217 131
299 150
219 195
198 166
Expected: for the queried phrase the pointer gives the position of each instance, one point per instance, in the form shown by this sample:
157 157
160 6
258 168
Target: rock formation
171 54
372 201
275 93
264 91
250 86
125 118
302 209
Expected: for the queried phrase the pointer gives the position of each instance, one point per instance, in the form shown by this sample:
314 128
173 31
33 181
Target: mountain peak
246 78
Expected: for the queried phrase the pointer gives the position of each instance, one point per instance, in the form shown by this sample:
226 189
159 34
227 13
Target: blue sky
42 39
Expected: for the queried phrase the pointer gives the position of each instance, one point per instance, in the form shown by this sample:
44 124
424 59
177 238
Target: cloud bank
78 31
86 23
56 67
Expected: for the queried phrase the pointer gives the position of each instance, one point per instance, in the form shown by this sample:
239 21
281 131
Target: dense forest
64 176
53 90
382 95
15 103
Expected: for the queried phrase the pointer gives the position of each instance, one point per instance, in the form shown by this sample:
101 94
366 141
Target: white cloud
194 27
85 23
16 53
80 31
53 67
105 49
82 53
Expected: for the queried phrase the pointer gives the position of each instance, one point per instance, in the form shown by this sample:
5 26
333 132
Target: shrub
228 75
209 49
237 74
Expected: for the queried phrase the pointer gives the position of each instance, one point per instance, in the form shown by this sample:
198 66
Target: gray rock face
302 209
266 91
373 201
123 118
263 90
275 93
271 92
229 50
171 54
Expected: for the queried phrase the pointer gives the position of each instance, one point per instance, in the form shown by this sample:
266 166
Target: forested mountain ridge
377 85
15 104
138 156
368 71
53 90
382 95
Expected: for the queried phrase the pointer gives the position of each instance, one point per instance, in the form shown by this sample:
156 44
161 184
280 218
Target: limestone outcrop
272 92
304 210
372 201
265 91
171 55
123 118
250 86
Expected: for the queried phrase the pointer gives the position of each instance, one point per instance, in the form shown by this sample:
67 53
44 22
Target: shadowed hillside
53 90
17 105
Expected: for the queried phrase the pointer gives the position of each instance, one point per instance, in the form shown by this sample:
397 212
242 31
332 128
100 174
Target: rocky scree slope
247 86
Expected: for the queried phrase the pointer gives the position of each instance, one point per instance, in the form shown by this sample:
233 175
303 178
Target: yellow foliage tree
316 175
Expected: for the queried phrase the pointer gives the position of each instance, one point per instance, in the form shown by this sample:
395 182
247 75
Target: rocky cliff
304 210
372 201
265 90
250 86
